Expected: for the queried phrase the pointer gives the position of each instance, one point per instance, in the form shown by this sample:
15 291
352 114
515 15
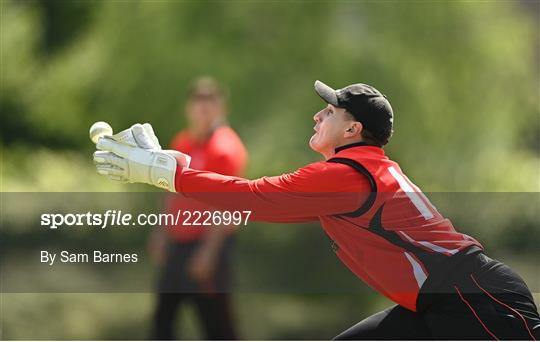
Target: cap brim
326 93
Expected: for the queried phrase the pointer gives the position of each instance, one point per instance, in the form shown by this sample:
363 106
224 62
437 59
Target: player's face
202 112
331 124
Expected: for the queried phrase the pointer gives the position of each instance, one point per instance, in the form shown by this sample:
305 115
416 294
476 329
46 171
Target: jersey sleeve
315 190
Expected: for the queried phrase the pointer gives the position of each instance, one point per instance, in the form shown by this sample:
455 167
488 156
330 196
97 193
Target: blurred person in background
195 260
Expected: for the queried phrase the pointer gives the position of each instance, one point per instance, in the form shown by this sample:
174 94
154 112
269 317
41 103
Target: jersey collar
344 147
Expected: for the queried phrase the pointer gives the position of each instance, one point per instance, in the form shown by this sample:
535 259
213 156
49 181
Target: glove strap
163 170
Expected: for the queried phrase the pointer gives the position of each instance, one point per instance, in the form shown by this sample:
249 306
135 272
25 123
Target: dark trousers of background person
175 288
484 300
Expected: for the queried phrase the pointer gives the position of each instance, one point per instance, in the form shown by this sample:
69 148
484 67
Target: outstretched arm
315 190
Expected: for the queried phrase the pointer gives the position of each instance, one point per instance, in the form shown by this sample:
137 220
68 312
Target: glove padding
144 163
138 135
145 137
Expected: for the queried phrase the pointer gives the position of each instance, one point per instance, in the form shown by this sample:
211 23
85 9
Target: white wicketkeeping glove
137 135
145 137
145 164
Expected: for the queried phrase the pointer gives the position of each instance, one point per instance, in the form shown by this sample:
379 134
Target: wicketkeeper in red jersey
382 226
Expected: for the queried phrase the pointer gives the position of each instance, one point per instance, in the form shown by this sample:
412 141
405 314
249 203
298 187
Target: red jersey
382 227
223 152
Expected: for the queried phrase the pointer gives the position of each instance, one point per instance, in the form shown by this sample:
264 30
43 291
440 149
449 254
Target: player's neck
202 135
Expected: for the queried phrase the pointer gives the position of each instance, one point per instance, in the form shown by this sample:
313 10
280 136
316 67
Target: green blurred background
463 78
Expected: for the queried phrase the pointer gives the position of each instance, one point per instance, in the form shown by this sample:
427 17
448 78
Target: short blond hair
206 86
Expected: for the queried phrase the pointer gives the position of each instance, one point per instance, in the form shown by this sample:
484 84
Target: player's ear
353 130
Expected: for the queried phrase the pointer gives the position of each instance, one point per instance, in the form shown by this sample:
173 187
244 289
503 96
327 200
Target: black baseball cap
368 105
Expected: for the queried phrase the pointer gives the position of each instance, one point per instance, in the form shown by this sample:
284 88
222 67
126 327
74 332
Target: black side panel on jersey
427 258
373 194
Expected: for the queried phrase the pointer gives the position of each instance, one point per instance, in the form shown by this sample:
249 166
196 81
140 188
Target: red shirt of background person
223 153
